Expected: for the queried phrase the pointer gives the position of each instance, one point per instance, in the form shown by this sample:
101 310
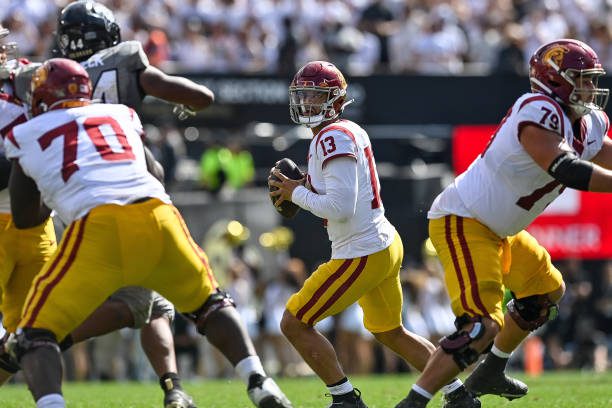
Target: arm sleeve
340 200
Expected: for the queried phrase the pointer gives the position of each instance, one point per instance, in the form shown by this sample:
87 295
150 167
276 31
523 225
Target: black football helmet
84 28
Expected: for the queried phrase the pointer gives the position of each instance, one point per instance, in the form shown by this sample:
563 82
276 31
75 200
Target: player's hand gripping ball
284 177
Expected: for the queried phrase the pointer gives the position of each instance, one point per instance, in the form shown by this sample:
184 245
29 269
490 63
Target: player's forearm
186 92
340 200
153 166
175 89
30 216
337 205
601 180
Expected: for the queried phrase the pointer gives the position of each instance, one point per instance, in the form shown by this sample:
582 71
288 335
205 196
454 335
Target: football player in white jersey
367 252
552 138
87 32
133 307
87 162
22 252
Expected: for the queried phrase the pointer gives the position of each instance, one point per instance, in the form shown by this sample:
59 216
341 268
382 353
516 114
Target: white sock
248 366
51 401
499 353
448 388
340 389
422 391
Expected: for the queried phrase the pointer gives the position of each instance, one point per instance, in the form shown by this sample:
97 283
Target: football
286 166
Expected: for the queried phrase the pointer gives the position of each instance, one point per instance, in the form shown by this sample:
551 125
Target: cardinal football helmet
568 71
84 28
317 94
59 83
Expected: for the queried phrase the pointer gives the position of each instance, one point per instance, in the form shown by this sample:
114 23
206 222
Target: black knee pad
532 312
458 343
29 339
215 301
7 362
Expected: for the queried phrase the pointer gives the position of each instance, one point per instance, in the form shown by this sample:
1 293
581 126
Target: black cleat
178 399
413 400
264 393
461 398
352 400
486 381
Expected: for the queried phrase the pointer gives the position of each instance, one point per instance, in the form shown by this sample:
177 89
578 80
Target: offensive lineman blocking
92 27
550 139
106 195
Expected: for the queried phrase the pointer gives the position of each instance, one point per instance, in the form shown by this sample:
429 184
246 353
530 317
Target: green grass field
558 390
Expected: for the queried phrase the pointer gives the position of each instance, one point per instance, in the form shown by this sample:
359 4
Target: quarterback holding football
366 250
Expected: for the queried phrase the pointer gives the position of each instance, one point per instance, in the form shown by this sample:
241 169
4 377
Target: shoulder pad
22 80
132 52
602 118
335 140
542 111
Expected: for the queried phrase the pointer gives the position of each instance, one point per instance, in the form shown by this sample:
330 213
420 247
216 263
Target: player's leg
23 254
382 308
140 308
7 254
333 287
471 256
62 295
192 287
537 287
157 341
110 316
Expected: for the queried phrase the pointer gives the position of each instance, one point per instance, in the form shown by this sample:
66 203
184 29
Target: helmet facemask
8 53
586 95
313 105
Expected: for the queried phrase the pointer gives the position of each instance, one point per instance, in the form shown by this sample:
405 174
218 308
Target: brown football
286 166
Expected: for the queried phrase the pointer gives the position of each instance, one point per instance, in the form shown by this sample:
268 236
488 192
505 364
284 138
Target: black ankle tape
170 381
342 381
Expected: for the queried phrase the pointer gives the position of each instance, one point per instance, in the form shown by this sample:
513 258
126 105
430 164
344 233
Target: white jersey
504 188
84 157
368 231
12 113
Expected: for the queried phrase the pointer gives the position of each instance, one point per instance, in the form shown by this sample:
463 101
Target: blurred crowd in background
437 37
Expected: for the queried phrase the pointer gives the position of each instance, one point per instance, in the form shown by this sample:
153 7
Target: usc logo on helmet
39 78
555 54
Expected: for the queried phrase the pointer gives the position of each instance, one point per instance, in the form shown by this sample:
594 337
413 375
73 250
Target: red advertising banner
577 224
